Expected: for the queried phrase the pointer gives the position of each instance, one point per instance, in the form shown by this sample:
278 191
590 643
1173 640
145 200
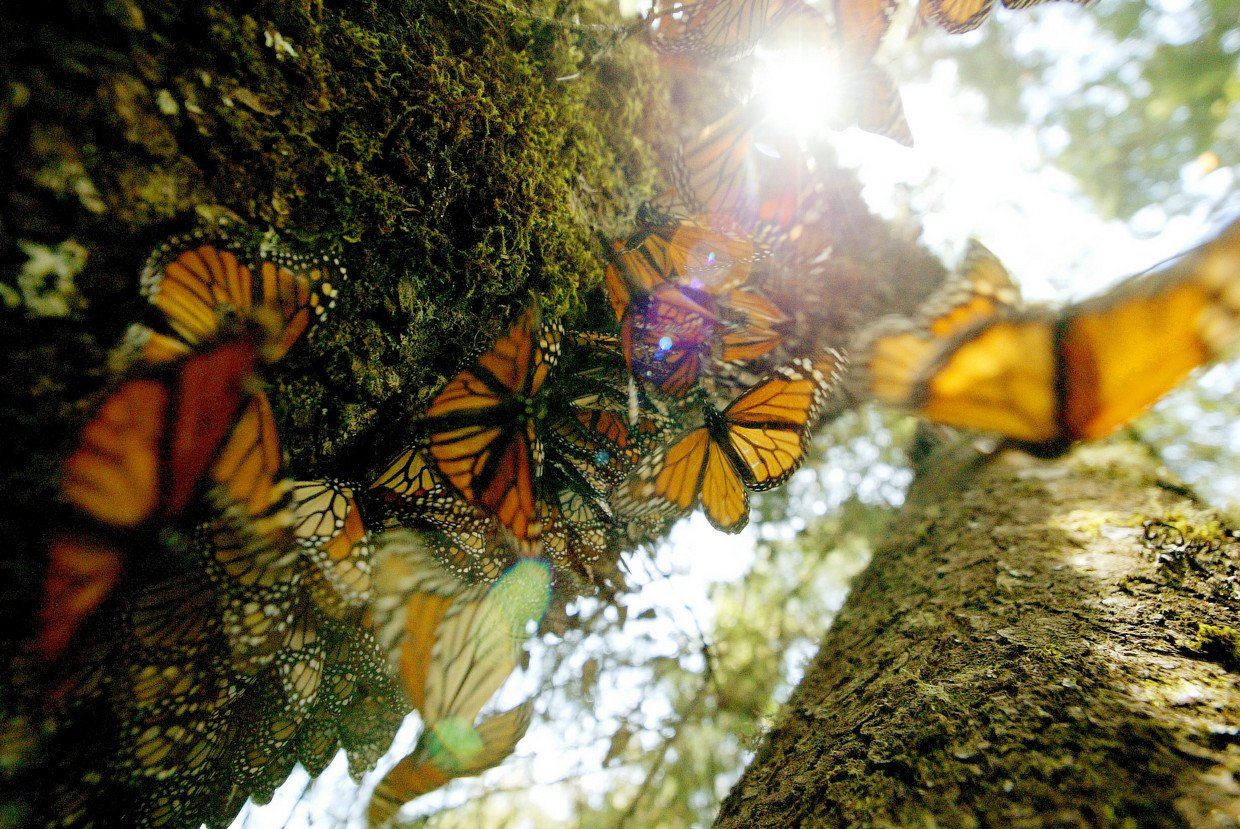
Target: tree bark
1037 644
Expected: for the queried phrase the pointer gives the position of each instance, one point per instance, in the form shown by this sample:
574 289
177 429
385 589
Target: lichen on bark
1031 648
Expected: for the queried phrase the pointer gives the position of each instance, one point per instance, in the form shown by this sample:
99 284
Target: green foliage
1147 93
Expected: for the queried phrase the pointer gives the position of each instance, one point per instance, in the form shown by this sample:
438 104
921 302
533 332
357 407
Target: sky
962 179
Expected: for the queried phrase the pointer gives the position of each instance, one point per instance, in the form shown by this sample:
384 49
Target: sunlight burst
800 91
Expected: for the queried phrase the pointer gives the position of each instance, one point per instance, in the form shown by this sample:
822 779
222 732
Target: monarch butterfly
1045 379
892 348
957 16
455 645
599 424
482 427
757 329
594 445
449 750
705 253
756 442
198 279
328 525
141 459
675 334
737 169
668 337
468 540
717 29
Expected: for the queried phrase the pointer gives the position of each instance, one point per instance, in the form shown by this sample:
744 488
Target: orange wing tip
81 573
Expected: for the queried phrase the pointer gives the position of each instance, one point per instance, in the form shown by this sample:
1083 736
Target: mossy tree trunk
450 154
1036 644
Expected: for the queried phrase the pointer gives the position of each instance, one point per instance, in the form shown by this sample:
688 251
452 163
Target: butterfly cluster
207 619
201 625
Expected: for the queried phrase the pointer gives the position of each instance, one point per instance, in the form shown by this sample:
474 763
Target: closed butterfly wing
252 539
740 174
477 643
327 522
753 328
445 754
707 252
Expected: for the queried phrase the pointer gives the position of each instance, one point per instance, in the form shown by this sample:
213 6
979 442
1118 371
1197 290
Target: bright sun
799 90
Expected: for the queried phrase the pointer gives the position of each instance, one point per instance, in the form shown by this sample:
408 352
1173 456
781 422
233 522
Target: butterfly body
483 426
754 443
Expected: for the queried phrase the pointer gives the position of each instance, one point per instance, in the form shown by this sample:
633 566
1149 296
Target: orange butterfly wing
114 475
1124 350
999 376
197 280
482 433
723 495
766 425
82 572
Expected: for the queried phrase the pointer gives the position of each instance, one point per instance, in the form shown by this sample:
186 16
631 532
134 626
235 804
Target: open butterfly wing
981 289
1129 347
723 495
115 473
199 279
998 376
766 425
482 435
82 571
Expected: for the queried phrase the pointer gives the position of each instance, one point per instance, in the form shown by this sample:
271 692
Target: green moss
1218 643
457 158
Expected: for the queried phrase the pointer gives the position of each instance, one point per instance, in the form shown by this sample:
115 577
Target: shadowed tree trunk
1036 644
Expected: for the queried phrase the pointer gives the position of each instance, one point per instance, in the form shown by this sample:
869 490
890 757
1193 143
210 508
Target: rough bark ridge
1048 644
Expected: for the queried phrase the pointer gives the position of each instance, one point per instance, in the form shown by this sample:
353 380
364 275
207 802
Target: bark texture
1037 644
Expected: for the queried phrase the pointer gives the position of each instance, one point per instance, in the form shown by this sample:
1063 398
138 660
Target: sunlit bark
1027 649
